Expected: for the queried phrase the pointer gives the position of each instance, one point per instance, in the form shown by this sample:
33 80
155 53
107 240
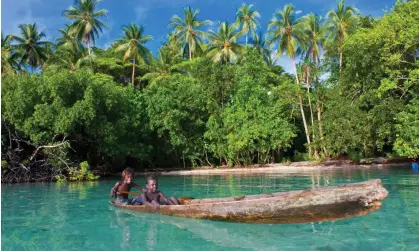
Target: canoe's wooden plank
288 207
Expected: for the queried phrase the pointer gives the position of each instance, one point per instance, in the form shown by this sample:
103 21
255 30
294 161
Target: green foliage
89 108
301 156
234 105
252 122
407 128
60 179
382 61
380 75
344 126
83 173
177 111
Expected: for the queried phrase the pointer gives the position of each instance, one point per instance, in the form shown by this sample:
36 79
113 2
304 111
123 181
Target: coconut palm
342 22
30 48
223 46
9 59
86 24
132 45
260 44
288 33
316 31
172 46
161 66
68 39
246 18
187 30
71 58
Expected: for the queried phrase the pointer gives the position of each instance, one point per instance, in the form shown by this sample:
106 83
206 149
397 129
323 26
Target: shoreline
303 166
284 168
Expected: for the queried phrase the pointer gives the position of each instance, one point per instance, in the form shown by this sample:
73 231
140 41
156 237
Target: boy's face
152 186
128 179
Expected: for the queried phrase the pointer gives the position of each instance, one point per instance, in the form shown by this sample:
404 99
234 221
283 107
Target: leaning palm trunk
87 41
301 107
340 56
133 73
316 154
190 52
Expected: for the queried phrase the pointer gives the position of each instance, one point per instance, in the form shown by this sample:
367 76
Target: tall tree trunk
88 45
316 154
190 52
301 107
340 62
133 73
319 117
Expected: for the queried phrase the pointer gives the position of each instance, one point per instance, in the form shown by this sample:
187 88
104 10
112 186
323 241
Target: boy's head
151 183
128 175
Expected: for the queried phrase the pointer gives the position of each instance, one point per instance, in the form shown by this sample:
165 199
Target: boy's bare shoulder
118 183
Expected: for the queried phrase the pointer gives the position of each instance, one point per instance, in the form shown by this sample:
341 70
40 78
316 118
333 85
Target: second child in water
122 189
152 195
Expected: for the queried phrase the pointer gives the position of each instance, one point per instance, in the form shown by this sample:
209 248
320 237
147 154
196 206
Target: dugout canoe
313 205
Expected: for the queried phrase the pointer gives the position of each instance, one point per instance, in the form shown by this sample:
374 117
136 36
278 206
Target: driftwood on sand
320 204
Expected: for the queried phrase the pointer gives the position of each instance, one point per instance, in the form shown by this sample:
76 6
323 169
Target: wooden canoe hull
322 204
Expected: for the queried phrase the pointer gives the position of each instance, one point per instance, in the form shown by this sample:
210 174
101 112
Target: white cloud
298 12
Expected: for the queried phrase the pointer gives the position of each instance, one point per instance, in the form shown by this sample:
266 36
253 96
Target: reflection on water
75 216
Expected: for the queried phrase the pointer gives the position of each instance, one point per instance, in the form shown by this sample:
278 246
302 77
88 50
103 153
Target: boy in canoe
122 188
152 195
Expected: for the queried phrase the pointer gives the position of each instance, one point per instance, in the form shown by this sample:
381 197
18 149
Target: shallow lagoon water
77 216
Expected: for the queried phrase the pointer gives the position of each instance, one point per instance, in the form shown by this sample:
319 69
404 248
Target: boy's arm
114 189
168 201
138 187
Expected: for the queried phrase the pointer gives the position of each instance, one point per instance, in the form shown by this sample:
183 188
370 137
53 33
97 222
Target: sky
155 15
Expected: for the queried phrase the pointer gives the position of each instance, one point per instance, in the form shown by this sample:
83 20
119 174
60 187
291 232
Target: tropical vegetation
72 110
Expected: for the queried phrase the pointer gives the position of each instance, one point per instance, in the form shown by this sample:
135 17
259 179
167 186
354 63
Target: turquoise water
77 216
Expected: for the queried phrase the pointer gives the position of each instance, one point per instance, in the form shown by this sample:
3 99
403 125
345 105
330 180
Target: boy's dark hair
128 171
150 177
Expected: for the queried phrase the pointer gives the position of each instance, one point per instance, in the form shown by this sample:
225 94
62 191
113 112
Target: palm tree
261 45
316 31
68 39
161 66
305 70
342 22
30 49
9 60
131 44
246 18
288 32
223 46
71 58
86 25
172 46
187 30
